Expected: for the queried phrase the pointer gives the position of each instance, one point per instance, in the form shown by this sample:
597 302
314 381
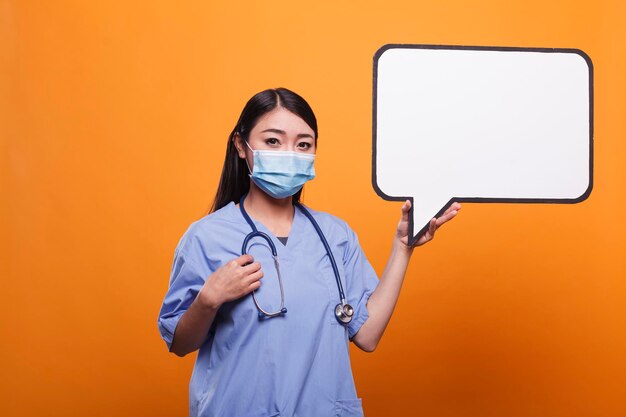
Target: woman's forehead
283 120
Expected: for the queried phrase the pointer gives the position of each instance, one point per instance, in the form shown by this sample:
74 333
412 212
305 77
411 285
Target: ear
238 141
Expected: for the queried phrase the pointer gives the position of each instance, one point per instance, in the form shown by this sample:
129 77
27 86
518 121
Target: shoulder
338 232
205 230
333 225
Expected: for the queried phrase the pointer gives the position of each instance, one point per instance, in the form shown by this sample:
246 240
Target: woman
284 350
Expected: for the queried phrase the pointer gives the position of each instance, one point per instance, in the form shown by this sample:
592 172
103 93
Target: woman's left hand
403 226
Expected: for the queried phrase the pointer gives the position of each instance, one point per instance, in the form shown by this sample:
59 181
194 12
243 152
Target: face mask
281 173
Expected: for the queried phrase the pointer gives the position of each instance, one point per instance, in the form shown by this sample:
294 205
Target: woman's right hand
231 281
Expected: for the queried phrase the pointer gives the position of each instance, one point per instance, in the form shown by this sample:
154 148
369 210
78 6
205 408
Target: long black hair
234 181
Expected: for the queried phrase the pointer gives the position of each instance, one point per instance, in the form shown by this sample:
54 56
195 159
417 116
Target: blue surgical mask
281 173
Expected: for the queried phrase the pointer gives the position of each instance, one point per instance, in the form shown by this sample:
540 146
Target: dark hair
234 181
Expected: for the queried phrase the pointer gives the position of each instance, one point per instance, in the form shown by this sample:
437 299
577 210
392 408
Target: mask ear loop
246 159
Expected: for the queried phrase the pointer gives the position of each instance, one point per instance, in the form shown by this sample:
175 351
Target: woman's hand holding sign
402 233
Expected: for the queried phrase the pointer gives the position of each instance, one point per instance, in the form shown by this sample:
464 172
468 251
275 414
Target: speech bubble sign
481 124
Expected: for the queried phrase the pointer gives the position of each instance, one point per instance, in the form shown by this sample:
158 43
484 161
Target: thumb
405 210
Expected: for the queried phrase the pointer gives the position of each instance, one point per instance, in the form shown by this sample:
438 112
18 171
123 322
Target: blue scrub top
297 364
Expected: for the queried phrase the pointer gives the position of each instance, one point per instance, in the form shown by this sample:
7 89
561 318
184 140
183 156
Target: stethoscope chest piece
344 313
343 310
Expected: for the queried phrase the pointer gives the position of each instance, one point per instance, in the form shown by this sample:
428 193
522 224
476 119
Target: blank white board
481 124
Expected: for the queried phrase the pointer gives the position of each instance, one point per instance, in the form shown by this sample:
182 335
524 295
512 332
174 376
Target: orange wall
113 122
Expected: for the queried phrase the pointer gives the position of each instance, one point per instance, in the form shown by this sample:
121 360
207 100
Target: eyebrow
282 132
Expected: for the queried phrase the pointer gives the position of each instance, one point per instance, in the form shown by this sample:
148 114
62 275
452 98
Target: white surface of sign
481 124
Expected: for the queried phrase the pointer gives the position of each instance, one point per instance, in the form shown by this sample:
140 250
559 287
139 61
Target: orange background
114 118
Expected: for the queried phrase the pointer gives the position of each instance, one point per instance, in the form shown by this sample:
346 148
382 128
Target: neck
266 209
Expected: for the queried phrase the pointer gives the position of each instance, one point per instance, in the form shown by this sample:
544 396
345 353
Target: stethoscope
343 310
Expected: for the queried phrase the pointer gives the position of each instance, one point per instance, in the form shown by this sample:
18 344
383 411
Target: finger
254 286
244 259
454 207
432 227
441 220
251 268
255 276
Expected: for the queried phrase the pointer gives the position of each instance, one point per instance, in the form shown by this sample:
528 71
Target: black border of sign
413 238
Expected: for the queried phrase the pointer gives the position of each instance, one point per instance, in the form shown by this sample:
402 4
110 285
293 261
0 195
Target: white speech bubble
481 124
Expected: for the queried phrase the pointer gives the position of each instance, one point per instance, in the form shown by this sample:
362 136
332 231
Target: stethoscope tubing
340 308
327 247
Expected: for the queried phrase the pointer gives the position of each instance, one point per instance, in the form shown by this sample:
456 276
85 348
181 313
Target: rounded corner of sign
584 56
585 195
380 192
381 51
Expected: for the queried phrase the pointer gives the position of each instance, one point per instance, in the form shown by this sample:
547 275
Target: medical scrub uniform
296 364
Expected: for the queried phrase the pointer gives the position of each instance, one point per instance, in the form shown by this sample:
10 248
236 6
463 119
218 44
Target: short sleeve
186 280
361 281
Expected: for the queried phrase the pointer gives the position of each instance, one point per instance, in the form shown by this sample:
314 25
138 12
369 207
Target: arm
230 282
383 300
193 327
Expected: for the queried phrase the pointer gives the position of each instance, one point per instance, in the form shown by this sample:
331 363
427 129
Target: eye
304 145
272 141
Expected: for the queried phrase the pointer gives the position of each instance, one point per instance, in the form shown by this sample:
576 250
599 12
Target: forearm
383 300
193 327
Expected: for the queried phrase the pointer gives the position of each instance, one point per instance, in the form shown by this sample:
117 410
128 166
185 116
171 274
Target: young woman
270 291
